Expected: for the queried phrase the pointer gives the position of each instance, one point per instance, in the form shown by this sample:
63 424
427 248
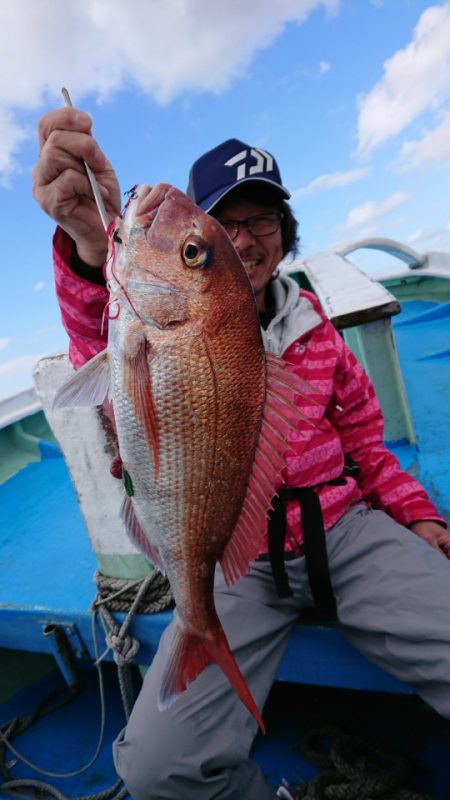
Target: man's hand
61 186
433 533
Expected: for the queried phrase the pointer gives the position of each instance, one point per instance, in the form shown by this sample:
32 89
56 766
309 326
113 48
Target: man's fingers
77 145
66 191
69 119
66 150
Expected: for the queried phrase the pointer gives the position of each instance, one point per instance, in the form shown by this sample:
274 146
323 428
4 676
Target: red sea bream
200 411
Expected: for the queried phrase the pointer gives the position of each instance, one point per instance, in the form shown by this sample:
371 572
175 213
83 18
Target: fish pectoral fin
136 534
88 386
280 414
138 387
189 656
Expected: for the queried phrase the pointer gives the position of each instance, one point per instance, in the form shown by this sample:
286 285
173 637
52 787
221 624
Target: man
389 585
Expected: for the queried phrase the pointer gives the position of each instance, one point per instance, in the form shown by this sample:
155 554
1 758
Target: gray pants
392 597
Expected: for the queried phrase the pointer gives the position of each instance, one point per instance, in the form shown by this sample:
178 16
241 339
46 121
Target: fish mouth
149 201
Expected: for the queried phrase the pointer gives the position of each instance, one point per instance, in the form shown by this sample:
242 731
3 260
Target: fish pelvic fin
135 531
88 386
138 387
189 656
280 414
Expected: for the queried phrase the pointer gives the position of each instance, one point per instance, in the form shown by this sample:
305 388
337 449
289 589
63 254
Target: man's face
260 255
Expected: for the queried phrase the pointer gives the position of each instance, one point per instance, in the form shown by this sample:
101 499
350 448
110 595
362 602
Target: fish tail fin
189 656
223 656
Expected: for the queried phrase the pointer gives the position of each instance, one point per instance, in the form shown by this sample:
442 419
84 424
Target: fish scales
198 495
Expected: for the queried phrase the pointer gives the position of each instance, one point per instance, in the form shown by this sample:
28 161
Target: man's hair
256 192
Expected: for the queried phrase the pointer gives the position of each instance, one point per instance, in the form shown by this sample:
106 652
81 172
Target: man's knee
140 769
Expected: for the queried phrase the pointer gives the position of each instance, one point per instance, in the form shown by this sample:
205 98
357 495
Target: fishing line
112 260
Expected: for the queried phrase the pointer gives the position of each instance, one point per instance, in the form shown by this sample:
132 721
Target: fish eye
116 237
195 252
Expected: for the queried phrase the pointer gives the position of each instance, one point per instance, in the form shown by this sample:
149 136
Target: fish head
173 261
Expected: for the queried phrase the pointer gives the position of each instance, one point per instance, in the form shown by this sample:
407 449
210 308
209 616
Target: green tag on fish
128 483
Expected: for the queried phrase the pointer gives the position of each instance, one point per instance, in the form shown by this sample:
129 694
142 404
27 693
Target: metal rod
62 652
92 179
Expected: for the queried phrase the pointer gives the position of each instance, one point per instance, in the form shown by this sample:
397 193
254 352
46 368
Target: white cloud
17 374
416 79
324 67
17 366
5 342
39 286
433 237
433 146
163 47
12 137
331 180
371 210
366 232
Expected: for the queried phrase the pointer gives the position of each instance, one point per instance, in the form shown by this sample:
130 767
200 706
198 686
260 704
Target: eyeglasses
259 225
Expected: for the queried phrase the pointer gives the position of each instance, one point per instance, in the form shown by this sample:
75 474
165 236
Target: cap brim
209 202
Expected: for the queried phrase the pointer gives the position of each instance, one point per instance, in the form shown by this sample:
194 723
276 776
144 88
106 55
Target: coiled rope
120 594
354 769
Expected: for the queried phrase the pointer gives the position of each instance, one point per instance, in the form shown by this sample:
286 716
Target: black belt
289 555
314 547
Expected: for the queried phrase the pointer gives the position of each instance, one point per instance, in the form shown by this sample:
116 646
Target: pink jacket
347 417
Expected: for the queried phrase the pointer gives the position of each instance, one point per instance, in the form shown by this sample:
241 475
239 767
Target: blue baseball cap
228 165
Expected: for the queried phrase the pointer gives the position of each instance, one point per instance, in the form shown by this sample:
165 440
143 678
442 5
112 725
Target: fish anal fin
138 387
88 386
189 656
280 414
136 534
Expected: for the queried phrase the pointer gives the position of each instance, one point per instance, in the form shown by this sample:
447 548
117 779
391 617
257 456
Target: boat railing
362 307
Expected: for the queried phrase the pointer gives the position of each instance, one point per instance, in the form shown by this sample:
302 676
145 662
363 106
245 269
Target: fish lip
148 203
151 199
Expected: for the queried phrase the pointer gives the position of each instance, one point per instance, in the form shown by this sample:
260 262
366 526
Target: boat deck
65 740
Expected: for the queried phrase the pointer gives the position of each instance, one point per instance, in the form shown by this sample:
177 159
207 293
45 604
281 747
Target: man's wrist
89 272
93 257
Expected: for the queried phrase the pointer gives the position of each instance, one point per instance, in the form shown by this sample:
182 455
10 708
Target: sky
351 96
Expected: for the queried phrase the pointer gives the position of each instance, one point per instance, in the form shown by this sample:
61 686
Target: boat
63 696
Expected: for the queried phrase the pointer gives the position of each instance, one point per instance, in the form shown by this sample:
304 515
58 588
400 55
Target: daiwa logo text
246 160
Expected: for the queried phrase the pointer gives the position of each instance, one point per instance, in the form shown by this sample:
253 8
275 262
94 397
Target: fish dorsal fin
280 413
137 535
88 386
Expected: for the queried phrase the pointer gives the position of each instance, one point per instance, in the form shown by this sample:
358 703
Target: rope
148 595
354 769
44 790
120 594
151 594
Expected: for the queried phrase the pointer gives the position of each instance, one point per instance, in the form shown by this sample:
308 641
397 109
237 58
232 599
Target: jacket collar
294 316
